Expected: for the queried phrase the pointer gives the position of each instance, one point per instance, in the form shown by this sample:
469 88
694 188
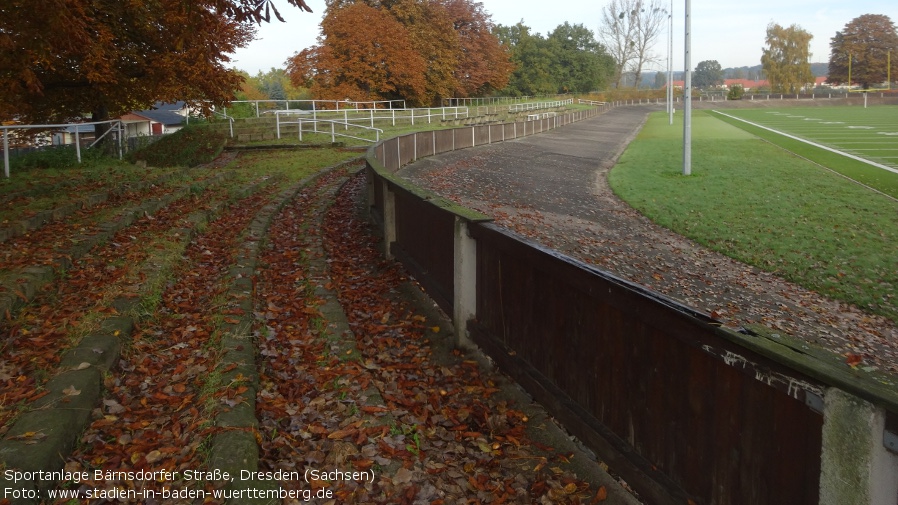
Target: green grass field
866 133
750 199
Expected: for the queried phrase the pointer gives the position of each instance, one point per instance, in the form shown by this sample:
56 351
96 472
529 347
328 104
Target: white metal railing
356 116
496 100
300 121
589 102
116 126
317 105
542 115
226 116
523 107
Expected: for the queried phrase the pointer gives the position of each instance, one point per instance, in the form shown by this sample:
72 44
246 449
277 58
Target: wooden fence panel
638 364
445 141
407 149
425 236
425 143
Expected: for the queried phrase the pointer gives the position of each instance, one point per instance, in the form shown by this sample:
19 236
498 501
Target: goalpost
865 91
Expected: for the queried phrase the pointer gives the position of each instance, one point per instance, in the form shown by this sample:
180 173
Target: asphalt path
552 187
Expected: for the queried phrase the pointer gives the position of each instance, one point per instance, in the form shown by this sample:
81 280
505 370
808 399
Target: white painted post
464 303
6 152
855 467
77 144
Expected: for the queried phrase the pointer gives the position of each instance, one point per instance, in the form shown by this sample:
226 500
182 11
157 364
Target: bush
735 92
56 157
190 146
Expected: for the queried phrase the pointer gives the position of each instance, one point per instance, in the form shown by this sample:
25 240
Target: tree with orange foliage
362 54
448 42
61 59
484 64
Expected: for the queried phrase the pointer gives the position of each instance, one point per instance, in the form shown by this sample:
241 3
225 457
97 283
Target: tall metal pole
687 95
670 92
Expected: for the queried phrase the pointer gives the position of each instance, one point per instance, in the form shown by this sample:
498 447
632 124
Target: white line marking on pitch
820 146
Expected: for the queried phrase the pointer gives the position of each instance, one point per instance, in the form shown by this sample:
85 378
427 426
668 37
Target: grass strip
877 178
754 202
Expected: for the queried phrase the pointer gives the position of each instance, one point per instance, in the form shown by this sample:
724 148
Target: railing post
389 219
6 152
78 143
855 467
464 303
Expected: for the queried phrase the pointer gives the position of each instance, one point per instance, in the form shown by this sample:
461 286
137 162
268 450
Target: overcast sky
730 32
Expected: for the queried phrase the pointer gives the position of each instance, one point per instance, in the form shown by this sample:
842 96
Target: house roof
161 116
162 112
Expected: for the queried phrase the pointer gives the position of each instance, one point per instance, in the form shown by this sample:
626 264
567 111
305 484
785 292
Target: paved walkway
552 187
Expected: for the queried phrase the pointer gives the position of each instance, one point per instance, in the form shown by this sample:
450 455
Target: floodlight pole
670 93
687 95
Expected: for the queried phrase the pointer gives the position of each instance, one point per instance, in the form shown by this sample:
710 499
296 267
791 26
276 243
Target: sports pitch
870 133
760 195
861 143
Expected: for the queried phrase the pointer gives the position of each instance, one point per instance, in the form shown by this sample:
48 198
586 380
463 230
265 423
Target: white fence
523 107
300 122
369 116
262 106
116 129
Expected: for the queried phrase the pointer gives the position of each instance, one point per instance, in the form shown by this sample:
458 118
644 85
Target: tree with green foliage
569 60
532 58
707 73
736 92
868 41
580 64
785 60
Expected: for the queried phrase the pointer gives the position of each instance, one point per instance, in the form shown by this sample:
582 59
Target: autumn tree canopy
416 50
786 59
364 54
867 40
62 59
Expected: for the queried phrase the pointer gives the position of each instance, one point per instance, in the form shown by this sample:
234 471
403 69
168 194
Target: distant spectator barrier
684 410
